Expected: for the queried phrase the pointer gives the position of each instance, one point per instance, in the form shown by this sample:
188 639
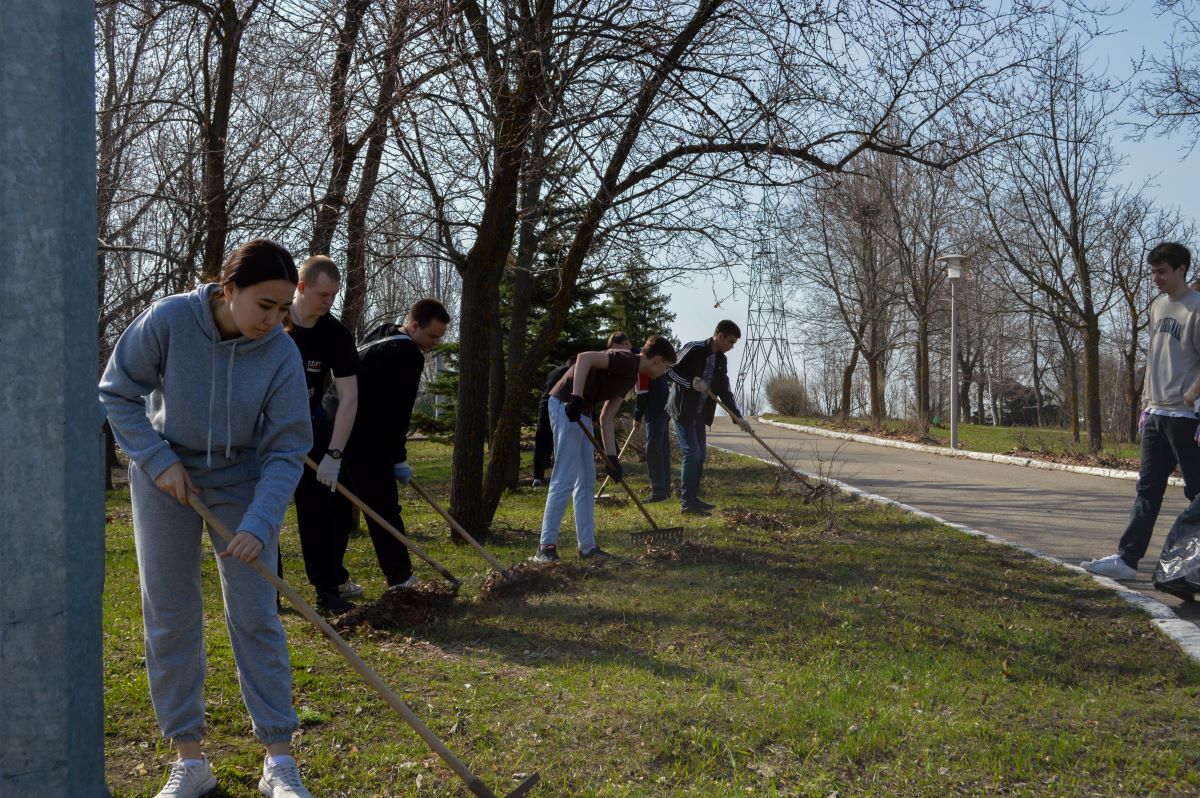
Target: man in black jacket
391 362
701 365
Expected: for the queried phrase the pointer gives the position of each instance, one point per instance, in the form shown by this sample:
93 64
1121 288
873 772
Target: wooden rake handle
396 533
457 527
620 454
623 483
472 781
761 442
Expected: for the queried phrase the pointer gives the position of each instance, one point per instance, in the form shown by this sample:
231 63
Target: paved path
1073 517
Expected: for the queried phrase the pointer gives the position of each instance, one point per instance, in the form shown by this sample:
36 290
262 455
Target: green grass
983 437
887 656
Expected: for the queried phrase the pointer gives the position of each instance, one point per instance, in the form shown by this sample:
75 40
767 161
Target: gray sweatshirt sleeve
286 439
133 372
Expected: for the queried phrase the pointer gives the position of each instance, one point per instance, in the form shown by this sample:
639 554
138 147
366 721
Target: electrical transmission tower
767 353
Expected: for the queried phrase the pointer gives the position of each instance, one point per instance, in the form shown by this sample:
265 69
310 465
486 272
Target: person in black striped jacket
700 366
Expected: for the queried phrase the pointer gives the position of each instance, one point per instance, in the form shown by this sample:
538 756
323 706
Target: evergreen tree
637 304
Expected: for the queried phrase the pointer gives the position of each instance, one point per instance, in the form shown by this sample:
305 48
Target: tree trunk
848 384
979 398
875 373
216 131
1133 392
1064 340
354 299
585 234
343 152
922 375
1037 381
1091 344
496 375
964 394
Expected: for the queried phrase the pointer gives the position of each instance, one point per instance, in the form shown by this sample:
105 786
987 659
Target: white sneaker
1111 566
350 589
407 583
281 781
188 782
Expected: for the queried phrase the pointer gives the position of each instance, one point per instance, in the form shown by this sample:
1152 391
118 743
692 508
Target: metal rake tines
665 535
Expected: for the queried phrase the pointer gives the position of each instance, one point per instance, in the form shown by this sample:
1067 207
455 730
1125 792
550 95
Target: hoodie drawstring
212 396
229 404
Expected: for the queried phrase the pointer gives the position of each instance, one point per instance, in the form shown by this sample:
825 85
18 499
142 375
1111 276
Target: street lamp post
954 269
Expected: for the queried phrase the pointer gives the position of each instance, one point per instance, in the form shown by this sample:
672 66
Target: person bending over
598 380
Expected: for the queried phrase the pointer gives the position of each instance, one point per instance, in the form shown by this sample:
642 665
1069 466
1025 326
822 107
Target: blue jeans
573 479
1166 441
658 453
693 443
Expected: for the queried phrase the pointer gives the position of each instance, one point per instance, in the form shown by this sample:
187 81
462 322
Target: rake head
480 789
660 535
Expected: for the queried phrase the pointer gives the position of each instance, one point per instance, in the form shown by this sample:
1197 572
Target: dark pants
1166 441
692 436
658 452
543 443
374 482
321 519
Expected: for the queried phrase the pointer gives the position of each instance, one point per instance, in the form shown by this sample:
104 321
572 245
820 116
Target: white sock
282 759
192 763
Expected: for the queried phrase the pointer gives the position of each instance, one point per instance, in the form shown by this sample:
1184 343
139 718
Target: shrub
788 396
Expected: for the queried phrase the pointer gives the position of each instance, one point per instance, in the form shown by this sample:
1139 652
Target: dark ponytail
258 261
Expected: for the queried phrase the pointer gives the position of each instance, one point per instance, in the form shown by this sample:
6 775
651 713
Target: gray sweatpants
169 548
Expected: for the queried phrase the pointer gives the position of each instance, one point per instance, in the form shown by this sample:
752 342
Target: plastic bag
1178 571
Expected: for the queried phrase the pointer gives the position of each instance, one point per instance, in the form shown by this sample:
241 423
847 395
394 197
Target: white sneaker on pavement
1111 566
282 780
188 782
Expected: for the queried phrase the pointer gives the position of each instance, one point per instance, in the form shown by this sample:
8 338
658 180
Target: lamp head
955 265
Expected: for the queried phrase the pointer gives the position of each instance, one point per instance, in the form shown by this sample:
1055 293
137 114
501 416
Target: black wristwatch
336 454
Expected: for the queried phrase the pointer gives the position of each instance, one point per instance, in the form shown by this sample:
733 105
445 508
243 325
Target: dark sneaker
695 509
546 554
333 601
595 554
655 497
703 505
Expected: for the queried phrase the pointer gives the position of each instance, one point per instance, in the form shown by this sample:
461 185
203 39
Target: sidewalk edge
1184 634
1007 459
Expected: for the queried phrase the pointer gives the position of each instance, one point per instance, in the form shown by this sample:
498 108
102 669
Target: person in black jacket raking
701 365
391 362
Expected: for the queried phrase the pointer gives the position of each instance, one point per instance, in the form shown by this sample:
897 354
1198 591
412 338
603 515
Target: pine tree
637 304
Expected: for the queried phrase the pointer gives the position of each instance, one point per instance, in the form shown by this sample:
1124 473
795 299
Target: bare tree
1170 95
1048 200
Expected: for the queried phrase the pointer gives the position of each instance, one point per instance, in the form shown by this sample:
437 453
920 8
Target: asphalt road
1073 517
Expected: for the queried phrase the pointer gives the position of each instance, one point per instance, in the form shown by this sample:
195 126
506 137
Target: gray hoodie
230 411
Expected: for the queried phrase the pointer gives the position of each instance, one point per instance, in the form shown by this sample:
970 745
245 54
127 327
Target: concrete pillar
51 493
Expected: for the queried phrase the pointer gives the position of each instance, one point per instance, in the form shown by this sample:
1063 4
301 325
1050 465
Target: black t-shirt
326 346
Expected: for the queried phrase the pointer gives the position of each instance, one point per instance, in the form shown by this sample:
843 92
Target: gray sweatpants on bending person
169 551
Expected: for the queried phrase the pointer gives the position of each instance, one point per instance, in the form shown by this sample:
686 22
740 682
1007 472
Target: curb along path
1061 513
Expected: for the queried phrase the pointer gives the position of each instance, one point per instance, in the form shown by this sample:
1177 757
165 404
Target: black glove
575 409
612 467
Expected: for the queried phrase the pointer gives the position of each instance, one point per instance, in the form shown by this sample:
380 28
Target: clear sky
1174 176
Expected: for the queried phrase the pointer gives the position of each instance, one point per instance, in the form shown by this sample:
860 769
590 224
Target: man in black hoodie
701 366
391 362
